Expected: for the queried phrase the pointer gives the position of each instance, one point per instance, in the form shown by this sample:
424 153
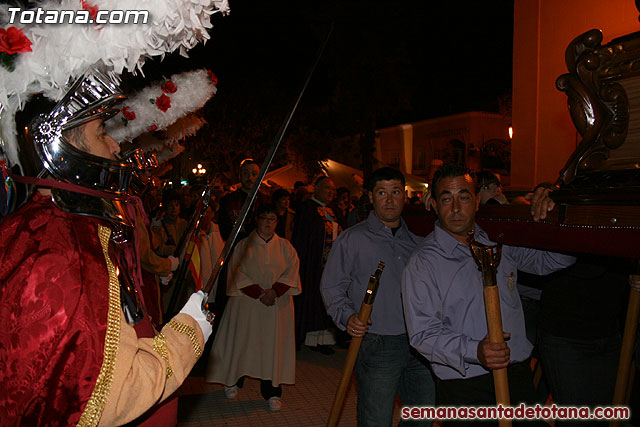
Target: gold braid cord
95 405
160 346
189 331
160 342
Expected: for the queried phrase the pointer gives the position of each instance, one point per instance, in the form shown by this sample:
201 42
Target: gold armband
189 331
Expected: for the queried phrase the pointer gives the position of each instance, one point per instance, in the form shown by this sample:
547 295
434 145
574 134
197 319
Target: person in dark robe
231 204
300 194
314 231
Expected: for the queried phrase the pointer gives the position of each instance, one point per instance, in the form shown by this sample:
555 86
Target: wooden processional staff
354 347
488 258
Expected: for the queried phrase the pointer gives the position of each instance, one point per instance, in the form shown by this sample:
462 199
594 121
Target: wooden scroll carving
603 91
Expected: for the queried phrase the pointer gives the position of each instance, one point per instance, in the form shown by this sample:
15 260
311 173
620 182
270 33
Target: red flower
169 87
152 128
213 77
93 10
4 169
128 114
163 102
12 40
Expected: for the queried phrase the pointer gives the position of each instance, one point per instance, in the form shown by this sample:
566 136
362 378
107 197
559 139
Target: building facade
478 139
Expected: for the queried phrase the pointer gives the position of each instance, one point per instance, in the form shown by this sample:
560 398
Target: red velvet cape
53 321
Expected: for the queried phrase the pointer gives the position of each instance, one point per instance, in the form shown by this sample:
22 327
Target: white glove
164 280
193 308
175 262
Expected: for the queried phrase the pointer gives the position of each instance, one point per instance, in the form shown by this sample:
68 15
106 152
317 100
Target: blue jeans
387 365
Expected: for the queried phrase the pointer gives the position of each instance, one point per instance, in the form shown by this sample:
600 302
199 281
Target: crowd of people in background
258 288
278 285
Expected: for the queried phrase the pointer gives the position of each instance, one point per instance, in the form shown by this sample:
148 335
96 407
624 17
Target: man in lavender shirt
443 298
386 364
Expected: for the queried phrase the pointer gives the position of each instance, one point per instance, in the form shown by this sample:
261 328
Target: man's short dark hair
320 179
280 193
384 174
249 162
451 170
486 178
169 196
267 208
342 190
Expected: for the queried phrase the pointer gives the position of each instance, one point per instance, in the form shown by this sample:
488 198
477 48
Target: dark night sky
396 61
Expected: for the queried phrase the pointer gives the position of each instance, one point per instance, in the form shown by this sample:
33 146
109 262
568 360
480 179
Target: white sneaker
231 392
274 404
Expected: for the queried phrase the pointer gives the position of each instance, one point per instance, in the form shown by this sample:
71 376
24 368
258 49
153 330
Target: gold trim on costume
160 347
189 331
93 411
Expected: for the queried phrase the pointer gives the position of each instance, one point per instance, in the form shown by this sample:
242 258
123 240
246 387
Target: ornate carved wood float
606 230
598 191
603 91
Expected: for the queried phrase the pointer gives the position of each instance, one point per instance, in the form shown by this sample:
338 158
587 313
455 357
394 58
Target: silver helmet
92 96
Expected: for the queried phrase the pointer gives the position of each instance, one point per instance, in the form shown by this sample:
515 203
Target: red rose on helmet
163 102
128 113
93 10
169 87
213 77
12 40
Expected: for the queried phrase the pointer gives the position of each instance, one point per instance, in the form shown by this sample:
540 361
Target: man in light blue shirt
444 304
386 364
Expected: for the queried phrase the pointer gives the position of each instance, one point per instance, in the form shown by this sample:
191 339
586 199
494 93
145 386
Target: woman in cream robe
256 334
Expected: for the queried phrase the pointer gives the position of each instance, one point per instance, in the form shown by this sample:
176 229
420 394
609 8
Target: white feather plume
150 144
62 52
194 88
183 128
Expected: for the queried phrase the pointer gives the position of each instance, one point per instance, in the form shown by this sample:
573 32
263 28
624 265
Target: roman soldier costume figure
77 346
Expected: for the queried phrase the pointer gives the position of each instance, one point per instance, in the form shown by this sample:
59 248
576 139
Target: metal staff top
372 287
487 257
263 171
190 234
